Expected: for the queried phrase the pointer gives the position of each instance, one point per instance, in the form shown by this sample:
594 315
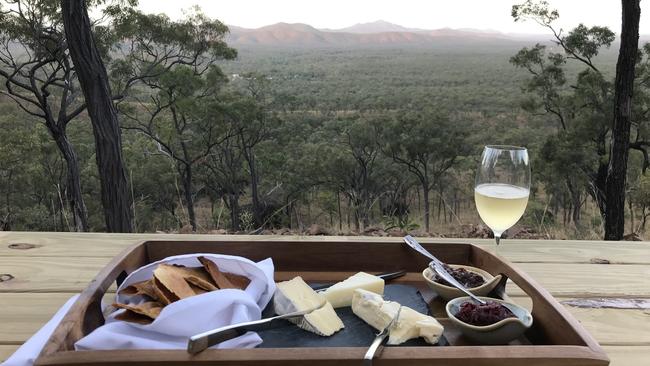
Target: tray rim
51 355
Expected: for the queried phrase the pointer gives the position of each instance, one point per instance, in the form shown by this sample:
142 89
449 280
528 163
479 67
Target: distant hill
380 26
384 34
379 33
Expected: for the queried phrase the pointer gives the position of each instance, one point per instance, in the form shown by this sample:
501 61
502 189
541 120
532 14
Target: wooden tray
555 338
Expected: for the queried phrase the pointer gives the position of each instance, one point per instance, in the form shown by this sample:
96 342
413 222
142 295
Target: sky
426 14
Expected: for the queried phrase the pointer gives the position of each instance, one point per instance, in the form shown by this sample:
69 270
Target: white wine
500 205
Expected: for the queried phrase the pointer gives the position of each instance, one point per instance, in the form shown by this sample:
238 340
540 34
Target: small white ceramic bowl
448 292
501 332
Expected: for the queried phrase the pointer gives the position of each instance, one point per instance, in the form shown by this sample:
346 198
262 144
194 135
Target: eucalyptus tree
180 119
175 65
353 163
620 142
427 144
587 109
223 171
48 47
251 111
40 77
84 50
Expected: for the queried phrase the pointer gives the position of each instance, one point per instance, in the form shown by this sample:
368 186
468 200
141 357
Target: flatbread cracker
199 277
198 290
171 278
141 288
132 317
139 313
224 280
164 295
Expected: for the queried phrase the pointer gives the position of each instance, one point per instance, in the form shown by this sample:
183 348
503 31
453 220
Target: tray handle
544 304
85 314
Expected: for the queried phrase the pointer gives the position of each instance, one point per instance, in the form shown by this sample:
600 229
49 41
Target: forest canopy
334 140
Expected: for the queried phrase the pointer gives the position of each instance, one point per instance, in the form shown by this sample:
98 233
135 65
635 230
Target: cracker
199 277
139 313
224 280
171 278
141 288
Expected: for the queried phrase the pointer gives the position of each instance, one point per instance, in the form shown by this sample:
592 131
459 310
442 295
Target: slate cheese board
356 333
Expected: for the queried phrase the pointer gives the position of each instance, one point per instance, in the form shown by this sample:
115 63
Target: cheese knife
379 339
385 276
201 341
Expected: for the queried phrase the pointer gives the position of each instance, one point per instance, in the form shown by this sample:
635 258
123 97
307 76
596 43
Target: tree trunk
338 202
257 207
103 115
427 206
616 173
631 207
576 203
348 211
73 180
186 175
234 211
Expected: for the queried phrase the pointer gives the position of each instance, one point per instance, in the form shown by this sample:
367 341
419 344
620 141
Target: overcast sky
427 14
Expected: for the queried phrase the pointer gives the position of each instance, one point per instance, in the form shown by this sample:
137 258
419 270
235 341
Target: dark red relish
480 315
466 278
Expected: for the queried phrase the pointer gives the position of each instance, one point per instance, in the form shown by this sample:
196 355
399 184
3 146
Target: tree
177 60
41 79
224 173
353 163
427 144
255 126
581 110
620 145
584 110
181 120
94 83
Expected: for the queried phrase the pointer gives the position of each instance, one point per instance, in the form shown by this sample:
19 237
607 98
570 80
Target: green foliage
403 223
536 10
323 134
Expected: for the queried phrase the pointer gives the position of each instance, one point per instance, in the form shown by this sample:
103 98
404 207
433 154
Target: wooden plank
627 355
608 326
23 244
7 350
589 280
47 274
24 314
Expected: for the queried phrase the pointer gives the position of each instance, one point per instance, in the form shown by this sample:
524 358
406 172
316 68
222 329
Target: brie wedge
377 312
295 295
340 294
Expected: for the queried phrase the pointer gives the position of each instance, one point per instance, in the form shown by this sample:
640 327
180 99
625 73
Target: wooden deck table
40 271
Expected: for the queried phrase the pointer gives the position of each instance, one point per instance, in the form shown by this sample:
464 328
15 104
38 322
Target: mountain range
379 33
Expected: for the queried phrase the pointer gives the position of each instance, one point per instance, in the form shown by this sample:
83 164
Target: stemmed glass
502 187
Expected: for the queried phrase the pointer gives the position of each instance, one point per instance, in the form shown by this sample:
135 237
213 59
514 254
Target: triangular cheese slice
296 295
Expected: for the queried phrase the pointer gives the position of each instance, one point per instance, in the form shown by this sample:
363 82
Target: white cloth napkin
178 320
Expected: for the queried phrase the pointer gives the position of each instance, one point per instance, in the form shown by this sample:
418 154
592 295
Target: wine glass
502 187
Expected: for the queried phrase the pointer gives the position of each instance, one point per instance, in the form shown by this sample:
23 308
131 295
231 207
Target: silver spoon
438 267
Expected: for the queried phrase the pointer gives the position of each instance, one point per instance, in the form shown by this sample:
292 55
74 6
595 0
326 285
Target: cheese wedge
295 295
378 313
340 294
